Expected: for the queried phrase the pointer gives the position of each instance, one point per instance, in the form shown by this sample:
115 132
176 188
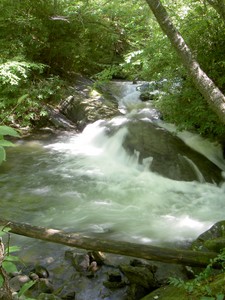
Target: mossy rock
211 240
168 293
216 285
139 275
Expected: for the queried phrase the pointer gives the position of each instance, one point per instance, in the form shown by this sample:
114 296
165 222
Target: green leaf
220 297
6 130
11 258
14 249
9 267
4 143
22 98
2 154
4 230
1 281
26 287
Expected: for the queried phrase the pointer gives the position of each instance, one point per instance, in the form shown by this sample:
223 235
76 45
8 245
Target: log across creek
77 240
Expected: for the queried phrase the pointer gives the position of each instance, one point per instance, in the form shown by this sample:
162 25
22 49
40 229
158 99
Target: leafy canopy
44 43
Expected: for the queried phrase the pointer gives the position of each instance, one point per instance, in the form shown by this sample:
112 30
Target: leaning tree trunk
203 83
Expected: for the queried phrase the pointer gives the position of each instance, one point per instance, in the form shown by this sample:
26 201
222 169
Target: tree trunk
177 256
203 83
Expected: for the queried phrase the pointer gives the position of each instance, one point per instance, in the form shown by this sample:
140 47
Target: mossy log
149 252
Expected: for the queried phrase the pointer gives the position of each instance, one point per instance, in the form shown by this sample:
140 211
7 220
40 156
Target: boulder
170 156
211 240
87 104
214 286
58 120
168 293
18 281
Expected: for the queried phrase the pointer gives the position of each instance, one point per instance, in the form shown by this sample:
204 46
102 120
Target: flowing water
88 183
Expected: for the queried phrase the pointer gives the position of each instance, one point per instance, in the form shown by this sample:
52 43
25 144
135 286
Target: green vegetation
5 130
186 107
208 284
45 43
8 261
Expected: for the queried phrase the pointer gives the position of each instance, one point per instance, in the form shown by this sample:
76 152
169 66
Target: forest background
45 43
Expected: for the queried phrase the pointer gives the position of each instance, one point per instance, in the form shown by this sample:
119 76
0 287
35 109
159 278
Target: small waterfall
89 183
196 169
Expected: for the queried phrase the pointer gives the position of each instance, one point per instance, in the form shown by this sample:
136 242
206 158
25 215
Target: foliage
200 286
185 107
43 43
4 130
8 264
203 30
13 72
206 37
21 100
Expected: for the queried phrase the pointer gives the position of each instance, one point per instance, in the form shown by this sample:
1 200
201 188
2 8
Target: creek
88 183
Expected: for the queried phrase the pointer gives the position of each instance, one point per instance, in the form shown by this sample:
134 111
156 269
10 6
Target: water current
87 183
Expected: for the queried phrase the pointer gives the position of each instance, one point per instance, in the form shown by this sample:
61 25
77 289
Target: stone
170 156
114 276
145 96
114 280
97 256
168 293
57 119
41 271
43 285
69 296
87 104
212 239
140 276
44 296
18 281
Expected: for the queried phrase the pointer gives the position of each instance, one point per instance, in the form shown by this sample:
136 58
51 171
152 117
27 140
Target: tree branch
178 256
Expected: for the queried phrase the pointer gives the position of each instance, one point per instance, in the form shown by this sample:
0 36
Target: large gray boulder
171 157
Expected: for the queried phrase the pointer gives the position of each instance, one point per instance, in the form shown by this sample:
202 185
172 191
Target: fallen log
149 252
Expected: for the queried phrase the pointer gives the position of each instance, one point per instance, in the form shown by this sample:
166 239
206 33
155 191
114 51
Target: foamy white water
88 183
125 200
